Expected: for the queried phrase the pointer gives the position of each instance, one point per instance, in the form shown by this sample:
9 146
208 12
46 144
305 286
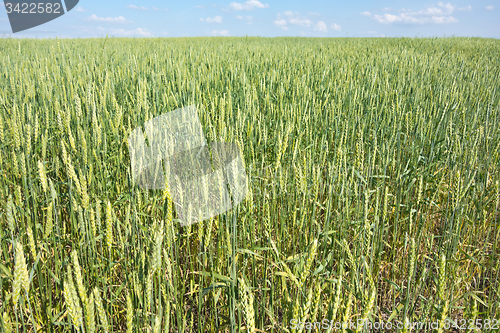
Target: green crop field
373 169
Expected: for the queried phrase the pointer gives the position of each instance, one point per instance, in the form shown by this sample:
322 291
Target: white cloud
437 15
119 19
247 18
288 18
216 19
301 22
220 32
80 9
444 19
336 27
449 8
433 11
295 18
136 7
320 26
387 18
280 22
386 8
465 9
248 5
489 7
139 32
200 6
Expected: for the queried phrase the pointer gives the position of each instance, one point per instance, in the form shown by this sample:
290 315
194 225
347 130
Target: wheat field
373 169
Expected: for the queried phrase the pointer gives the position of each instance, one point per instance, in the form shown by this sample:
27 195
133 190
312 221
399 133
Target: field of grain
373 168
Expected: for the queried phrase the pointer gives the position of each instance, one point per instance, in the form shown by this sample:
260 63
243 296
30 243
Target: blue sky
312 18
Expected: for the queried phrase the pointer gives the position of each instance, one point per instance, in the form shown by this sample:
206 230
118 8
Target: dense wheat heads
369 161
